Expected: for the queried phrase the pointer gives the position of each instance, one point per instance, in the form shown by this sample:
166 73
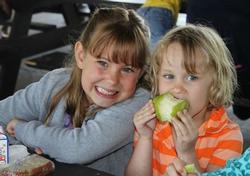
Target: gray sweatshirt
103 142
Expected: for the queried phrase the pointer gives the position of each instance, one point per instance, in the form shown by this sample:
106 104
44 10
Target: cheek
85 81
163 86
199 95
88 79
129 83
91 73
207 88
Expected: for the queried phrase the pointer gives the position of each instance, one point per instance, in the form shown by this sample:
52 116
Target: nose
178 87
113 77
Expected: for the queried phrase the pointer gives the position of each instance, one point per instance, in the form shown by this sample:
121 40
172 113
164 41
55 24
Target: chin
105 104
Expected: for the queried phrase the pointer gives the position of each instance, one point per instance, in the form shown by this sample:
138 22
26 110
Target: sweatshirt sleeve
111 129
30 103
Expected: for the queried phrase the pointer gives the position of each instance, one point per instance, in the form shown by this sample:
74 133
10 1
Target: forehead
193 61
120 52
115 56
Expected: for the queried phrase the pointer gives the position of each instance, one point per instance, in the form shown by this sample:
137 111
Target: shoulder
141 92
230 133
231 125
49 84
55 79
220 127
58 75
140 97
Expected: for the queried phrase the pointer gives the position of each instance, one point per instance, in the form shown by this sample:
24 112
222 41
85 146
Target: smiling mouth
106 92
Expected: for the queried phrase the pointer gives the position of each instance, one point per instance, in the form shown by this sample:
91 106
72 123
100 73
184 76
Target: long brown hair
117 28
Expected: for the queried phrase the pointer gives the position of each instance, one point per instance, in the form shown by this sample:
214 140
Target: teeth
105 91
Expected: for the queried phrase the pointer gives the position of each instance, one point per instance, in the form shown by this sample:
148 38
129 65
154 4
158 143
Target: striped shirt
219 139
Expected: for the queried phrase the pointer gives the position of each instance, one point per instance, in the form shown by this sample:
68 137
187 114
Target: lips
106 92
178 98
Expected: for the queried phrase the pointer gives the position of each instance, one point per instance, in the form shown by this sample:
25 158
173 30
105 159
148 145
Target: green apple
190 168
167 106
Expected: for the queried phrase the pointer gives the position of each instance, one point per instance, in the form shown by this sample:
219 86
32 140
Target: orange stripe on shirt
218 131
218 161
212 140
164 148
226 154
159 167
205 152
230 145
164 159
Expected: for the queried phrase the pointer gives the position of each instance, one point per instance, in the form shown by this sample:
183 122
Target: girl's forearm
140 163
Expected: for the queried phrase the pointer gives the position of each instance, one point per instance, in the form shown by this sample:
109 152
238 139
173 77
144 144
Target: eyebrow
109 60
130 66
166 70
102 57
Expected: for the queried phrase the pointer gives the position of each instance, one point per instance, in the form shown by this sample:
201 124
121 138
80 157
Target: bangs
192 62
122 46
189 62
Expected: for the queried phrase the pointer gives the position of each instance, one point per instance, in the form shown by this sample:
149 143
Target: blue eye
102 63
168 76
128 69
192 77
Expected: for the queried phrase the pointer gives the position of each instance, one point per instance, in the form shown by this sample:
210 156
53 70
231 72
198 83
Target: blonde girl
83 114
192 63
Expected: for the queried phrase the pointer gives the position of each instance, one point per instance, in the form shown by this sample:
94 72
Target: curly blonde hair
193 38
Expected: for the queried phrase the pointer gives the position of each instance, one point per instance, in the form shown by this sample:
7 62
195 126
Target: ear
79 54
